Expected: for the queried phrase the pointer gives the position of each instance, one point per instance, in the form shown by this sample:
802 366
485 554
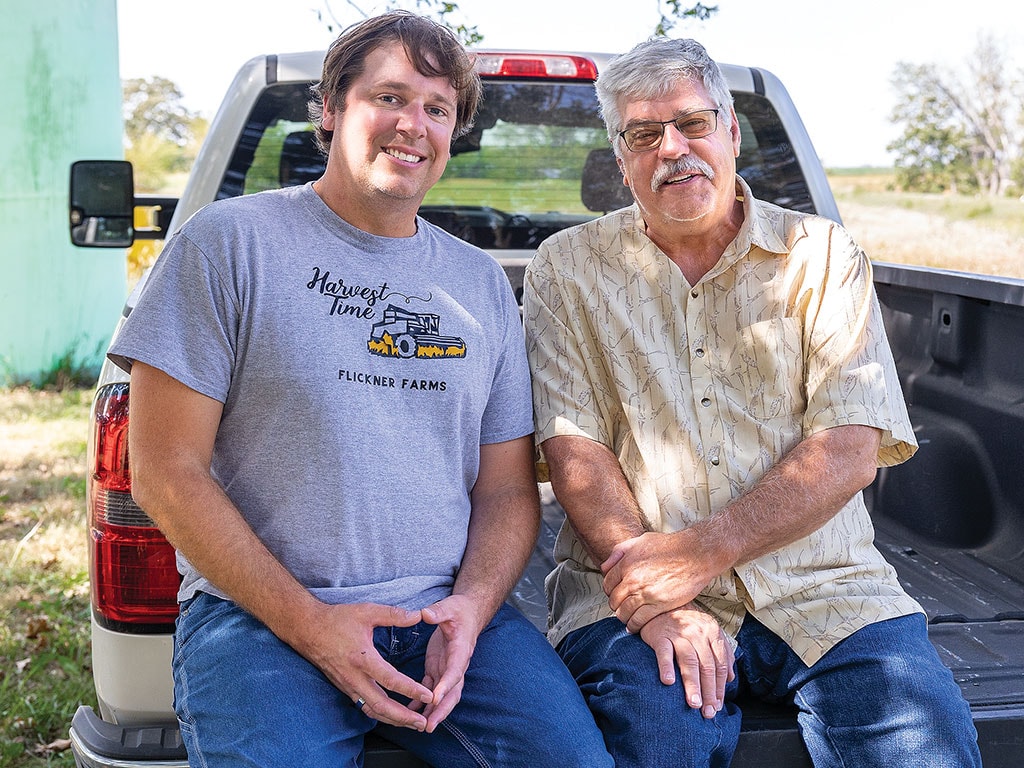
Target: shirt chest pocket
765 372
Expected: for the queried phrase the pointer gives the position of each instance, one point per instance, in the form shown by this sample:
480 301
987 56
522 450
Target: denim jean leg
879 698
519 707
245 698
646 724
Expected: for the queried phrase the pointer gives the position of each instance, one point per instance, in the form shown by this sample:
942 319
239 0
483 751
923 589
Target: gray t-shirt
359 376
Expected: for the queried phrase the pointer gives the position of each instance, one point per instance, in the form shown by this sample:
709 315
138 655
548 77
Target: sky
835 57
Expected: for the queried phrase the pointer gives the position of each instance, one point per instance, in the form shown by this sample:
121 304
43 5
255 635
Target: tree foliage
161 135
670 12
960 134
446 13
677 11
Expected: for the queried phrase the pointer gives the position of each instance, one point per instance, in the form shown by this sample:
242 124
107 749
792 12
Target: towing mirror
101 204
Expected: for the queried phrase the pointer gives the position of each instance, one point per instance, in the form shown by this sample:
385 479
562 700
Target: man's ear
327 120
734 130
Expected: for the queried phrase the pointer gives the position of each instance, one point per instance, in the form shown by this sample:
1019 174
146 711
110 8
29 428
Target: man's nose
673 142
412 120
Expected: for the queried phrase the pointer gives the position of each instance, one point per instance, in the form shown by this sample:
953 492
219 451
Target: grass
961 232
45 668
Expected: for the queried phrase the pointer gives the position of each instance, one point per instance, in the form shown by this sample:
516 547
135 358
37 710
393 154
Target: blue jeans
245 698
879 698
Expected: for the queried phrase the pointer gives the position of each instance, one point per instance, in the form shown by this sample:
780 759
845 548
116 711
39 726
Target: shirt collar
761 226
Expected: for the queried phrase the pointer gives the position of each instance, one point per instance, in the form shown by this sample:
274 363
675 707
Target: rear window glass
536 161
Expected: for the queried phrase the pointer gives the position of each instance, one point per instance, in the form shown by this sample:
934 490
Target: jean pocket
196 615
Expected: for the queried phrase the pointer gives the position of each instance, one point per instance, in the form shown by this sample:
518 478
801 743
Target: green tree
963 134
445 12
161 136
676 11
933 153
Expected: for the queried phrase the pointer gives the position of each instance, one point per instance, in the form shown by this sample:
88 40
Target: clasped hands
346 654
651 581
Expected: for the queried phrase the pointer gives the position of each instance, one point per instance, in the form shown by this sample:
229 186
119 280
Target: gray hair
651 70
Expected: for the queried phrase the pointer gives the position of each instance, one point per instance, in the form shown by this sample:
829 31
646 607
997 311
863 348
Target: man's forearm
172 435
796 497
657 572
598 502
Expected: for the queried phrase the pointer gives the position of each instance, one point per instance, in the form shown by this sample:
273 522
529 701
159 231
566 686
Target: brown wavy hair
432 48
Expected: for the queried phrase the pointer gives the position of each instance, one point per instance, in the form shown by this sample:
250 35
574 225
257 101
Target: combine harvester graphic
412 334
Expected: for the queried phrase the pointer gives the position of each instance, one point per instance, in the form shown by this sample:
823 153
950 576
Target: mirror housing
102 203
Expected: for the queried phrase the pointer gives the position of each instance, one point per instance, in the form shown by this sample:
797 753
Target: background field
970 234
44 604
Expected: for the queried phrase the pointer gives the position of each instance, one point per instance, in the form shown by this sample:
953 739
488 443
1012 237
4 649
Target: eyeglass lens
695 125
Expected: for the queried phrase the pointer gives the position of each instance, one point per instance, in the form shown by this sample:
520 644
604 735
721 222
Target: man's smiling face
393 136
683 181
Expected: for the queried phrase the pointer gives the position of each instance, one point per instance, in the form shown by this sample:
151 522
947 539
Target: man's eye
695 125
644 135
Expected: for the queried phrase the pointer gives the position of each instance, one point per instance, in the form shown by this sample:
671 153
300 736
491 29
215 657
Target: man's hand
345 653
655 573
690 639
448 654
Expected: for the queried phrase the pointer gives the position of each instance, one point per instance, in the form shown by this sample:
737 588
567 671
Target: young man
713 389
331 422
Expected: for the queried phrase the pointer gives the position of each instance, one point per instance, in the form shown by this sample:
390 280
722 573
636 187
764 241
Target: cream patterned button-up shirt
699 390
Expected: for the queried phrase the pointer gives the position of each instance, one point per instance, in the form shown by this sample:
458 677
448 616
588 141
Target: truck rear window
536 161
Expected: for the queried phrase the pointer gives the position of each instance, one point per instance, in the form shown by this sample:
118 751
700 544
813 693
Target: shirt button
693 293
715 461
698 352
706 402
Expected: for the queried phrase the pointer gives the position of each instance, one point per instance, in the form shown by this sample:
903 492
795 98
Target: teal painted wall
61 97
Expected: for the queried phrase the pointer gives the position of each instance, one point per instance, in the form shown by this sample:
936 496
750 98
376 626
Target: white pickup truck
538 160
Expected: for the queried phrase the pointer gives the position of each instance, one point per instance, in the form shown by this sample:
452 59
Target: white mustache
683 165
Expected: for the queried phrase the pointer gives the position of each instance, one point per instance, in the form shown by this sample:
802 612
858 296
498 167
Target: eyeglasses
693 125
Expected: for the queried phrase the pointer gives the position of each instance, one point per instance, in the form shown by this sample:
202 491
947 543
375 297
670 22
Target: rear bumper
99 744
96 743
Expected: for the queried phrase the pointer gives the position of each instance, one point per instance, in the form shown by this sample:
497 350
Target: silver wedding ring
360 703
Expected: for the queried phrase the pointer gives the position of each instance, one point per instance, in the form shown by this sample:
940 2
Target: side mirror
101 204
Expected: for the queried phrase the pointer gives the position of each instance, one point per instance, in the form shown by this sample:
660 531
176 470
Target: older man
713 389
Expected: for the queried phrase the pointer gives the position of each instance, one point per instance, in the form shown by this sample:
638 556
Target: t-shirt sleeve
184 323
508 414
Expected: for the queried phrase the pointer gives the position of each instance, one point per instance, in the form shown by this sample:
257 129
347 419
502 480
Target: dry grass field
967 234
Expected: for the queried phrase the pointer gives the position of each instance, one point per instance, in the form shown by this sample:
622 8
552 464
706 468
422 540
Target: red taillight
535 65
132 569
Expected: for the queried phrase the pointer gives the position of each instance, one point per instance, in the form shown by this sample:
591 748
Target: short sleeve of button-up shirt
699 390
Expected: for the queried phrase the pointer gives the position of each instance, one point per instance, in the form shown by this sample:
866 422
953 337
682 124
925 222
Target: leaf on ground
37 626
59 745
